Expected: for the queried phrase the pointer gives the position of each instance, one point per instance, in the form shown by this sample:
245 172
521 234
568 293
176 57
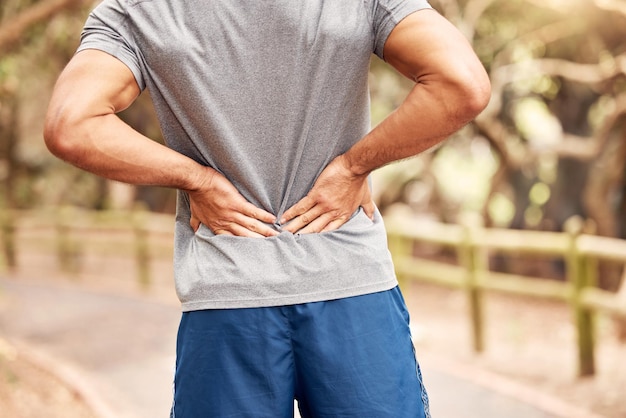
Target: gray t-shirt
267 92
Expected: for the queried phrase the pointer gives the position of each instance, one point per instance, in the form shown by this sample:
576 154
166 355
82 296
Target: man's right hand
217 204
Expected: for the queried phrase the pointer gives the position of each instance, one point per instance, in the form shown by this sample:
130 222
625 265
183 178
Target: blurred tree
557 113
550 145
32 50
556 121
8 142
18 17
37 39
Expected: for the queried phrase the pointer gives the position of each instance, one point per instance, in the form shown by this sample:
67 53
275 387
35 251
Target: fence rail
580 252
70 233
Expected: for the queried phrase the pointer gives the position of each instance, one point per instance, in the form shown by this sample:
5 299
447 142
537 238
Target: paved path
122 350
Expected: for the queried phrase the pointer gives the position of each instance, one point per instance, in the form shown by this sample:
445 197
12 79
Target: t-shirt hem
290 299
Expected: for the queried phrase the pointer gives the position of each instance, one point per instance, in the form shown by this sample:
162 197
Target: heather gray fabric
268 92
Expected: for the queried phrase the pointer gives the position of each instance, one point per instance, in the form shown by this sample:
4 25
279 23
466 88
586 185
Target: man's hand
218 205
335 196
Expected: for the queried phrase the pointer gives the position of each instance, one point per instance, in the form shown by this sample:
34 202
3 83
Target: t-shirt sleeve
106 29
387 14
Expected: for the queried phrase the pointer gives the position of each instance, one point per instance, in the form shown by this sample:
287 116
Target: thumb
369 208
194 222
368 205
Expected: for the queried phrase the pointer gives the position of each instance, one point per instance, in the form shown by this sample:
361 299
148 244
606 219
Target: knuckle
335 214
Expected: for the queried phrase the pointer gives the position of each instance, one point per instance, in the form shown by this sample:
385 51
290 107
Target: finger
260 228
369 208
334 225
241 231
324 223
303 220
304 205
255 226
317 225
194 223
250 230
222 232
258 213
234 229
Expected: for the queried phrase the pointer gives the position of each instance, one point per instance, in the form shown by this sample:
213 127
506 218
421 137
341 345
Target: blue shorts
349 357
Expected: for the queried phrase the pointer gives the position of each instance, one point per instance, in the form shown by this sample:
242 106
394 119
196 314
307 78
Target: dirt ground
529 343
29 391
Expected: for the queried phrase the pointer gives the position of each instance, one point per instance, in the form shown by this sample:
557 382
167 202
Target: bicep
425 44
94 83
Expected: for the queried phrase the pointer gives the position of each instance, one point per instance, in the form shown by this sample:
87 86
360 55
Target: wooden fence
580 253
71 233
147 236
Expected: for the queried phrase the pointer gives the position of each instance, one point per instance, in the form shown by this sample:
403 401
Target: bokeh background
534 189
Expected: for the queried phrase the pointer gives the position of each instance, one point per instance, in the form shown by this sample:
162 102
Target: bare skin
451 89
81 127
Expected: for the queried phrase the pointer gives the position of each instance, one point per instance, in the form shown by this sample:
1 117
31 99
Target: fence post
400 247
7 231
472 257
579 268
67 247
142 251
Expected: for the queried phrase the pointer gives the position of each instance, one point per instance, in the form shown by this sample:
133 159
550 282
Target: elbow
475 93
60 136
478 93
481 97
53 137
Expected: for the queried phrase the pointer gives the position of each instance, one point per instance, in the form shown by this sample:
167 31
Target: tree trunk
8 138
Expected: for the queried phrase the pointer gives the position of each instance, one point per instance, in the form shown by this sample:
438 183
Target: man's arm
451 89
82 128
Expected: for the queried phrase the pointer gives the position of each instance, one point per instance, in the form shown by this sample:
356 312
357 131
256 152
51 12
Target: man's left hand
335 196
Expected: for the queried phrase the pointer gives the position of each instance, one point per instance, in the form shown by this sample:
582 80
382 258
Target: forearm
106 146
426 117
82 127
451 88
